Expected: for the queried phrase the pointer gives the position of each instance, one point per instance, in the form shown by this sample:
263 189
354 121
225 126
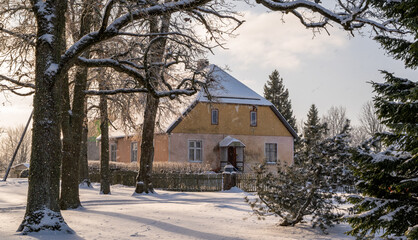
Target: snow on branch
350 15
118 66
113 28
158 94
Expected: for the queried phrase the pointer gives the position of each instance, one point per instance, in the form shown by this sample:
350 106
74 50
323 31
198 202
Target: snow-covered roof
116 134
22 164
228 141
225 88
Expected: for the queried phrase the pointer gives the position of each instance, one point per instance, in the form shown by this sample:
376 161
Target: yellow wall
123 153
234 119
253 152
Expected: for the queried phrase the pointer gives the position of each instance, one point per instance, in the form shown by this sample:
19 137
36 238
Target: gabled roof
224 88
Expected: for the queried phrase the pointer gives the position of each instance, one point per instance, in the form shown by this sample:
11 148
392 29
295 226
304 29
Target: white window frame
113 152
253 122
194 148
267 156
134 159
216 122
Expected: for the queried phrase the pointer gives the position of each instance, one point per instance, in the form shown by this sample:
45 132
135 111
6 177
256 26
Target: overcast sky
324 70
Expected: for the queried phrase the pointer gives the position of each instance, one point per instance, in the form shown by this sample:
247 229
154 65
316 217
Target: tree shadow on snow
165 226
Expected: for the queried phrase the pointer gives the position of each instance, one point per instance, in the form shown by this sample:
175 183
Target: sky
317 69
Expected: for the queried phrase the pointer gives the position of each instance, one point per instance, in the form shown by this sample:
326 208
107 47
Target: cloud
265 36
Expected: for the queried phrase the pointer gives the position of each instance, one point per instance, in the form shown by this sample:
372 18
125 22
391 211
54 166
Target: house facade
228 125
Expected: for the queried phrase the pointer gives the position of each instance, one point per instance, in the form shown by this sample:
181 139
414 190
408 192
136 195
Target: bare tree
335 119
370 123
8 142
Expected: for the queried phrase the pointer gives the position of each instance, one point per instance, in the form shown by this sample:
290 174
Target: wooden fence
187 182
247 182
193 182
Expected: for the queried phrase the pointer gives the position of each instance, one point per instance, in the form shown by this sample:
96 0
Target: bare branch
21 84
29 38
352 17
106 15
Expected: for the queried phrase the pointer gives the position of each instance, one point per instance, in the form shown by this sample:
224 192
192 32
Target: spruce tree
405 12
388 173
276 93
389 186
313 129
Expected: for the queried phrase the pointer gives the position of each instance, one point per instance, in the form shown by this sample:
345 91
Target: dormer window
215 116
253 118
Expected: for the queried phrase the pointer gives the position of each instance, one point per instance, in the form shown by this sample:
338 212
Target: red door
232 156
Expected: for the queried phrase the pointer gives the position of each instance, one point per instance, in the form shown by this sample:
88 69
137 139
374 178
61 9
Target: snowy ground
164 215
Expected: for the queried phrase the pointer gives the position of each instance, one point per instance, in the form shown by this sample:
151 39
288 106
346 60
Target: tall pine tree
389 178
313 129
276 93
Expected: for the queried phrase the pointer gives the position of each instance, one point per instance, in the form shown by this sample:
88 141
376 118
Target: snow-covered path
165 215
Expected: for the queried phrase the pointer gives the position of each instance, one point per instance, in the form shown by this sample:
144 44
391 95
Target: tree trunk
143 180
144 183
69 181
42 210
84 166
73 126
104 154
72 138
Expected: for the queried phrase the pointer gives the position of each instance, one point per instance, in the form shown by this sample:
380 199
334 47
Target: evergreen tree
313 129
406 12
307 187
276 93
389 204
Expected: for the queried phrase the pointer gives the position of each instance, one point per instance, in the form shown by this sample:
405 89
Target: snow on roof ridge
228 89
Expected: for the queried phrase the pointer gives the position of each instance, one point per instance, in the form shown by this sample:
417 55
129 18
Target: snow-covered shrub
293 193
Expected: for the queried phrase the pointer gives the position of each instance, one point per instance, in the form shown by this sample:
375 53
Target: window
195 150
113 149
215 116
271 152
134 151
253 119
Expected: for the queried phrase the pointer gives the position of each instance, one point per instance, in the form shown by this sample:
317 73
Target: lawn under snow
164 215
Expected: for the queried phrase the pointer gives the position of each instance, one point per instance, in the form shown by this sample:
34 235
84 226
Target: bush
174 167
292 194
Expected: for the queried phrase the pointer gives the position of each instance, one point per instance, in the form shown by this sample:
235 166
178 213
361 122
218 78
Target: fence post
229 180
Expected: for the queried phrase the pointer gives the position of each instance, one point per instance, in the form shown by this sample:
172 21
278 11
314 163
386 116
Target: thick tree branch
118 66
106 15
158 94
352 17
113 29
